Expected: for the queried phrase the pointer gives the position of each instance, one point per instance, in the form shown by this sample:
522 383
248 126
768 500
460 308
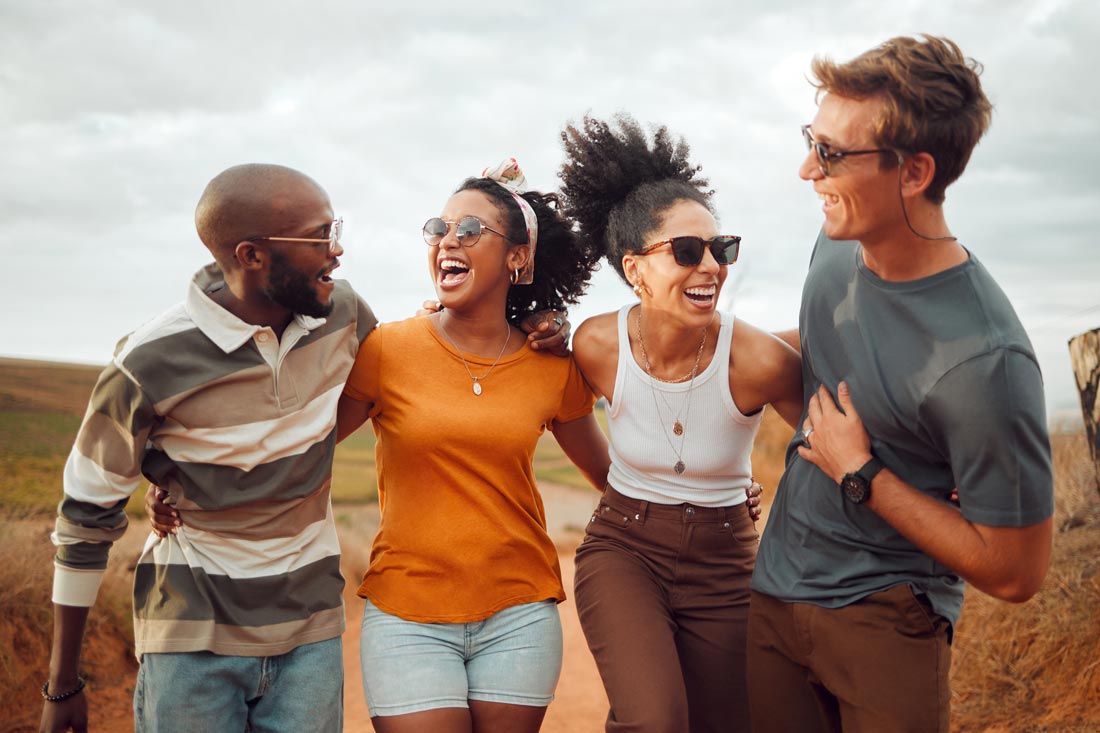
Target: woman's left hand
753 493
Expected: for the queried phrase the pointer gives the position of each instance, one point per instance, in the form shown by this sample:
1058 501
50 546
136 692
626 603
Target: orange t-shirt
463 530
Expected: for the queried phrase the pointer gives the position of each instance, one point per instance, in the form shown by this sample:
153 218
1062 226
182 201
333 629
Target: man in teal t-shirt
918 379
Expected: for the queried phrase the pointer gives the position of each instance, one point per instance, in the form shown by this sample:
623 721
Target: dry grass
25 581
1036 666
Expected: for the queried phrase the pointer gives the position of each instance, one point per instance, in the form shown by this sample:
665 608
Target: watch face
856 489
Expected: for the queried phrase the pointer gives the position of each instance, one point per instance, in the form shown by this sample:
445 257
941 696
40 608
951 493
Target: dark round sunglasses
688 251
467 231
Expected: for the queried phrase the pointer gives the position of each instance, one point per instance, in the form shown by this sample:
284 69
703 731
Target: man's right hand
163 517
69 714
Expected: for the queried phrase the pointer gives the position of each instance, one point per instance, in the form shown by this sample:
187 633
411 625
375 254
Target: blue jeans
195 692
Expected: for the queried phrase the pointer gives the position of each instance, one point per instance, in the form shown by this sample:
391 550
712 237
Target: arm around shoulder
790 337
766 370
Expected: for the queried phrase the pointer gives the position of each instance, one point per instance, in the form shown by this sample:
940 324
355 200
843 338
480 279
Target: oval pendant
477 388
679 467
677 428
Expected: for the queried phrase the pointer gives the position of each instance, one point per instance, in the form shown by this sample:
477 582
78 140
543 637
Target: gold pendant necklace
678 428
477 380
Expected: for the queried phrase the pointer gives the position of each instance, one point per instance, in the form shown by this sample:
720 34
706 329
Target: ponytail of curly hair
617 185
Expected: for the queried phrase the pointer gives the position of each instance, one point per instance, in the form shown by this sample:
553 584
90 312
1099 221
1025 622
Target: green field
41 405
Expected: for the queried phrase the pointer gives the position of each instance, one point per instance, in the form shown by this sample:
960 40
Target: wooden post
1084 353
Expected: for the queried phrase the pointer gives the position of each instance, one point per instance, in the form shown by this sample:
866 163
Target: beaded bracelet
64 695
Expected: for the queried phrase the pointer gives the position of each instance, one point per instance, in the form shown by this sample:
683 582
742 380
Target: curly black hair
564 262
617 186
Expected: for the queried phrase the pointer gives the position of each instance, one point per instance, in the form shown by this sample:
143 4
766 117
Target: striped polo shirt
239 427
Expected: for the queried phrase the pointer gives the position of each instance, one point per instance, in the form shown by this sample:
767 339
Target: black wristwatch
856 487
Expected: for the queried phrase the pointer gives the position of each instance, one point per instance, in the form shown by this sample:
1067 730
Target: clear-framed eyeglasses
333 239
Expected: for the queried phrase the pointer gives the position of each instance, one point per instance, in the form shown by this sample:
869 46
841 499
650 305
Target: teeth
702 292
450 264
828 198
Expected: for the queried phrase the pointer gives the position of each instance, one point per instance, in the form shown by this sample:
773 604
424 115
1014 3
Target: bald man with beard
226 401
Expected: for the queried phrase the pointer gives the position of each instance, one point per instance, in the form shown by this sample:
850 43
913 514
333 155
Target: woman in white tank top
662 575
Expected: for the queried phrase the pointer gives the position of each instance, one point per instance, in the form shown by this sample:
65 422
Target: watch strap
870 469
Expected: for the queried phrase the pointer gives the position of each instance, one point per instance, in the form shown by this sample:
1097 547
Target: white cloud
113 116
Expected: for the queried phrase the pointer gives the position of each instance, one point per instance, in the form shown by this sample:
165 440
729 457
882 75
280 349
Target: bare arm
787 384
1008 563
596 351
764 370
584 442
350 415
791 338
68 636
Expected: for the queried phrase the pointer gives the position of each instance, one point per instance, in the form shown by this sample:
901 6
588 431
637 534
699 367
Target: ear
518 257
249 256
633 268
917 172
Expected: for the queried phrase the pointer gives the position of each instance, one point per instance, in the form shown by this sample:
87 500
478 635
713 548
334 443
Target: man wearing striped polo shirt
228 402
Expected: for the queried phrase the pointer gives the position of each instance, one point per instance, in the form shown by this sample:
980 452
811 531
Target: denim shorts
512 657
191 692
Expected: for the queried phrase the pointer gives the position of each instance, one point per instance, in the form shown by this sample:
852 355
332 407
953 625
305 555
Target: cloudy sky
115 114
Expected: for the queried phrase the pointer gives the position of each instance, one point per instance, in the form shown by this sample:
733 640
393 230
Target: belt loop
640 514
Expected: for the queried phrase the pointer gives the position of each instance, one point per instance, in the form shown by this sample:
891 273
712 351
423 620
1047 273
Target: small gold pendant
679 467
677 428
477 388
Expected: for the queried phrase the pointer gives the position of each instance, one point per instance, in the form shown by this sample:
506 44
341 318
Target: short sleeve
363 383
988 417
577 397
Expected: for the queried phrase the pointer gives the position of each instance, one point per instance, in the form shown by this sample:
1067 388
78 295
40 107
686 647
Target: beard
293 290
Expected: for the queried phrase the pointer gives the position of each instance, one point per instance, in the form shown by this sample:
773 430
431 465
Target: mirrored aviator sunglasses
688 250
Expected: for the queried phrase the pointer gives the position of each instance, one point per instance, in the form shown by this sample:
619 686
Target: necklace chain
649 368
477 380
678 428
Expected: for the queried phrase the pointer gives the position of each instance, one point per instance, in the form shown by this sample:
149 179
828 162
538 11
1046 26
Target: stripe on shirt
173 635
235 601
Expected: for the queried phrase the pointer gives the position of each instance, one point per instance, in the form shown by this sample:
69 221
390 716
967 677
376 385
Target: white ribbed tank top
717 440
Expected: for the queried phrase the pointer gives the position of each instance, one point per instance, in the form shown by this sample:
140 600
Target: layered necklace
477 379
679 426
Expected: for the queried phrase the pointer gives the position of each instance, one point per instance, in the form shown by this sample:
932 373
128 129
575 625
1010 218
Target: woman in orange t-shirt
460 628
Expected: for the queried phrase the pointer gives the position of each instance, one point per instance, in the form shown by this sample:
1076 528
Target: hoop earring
514 277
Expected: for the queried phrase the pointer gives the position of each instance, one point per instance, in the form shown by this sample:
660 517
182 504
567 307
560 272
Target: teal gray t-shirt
946 383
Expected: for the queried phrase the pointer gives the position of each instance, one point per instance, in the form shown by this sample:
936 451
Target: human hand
162 517
834 439
753 493
65 715
548 331
429 307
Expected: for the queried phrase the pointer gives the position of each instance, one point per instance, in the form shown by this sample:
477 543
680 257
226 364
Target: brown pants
879 665
662 595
